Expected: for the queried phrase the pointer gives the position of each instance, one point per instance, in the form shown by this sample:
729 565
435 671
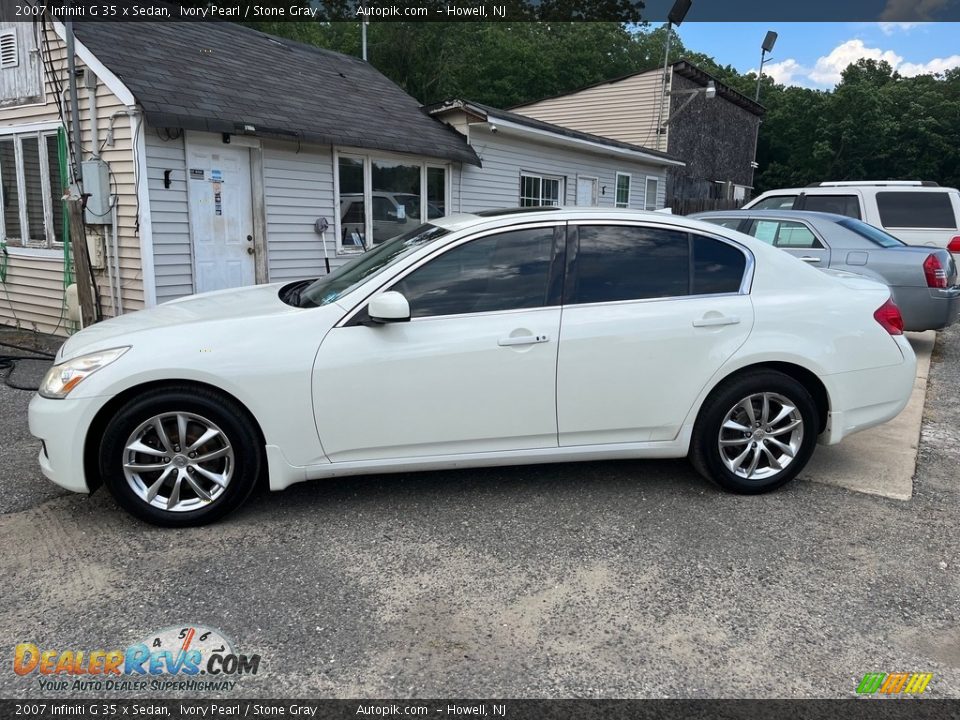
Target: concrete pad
882 460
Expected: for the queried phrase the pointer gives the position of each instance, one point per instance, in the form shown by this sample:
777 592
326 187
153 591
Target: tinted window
775 202
630 263
848 205
874 235
717 266
916 210
507 271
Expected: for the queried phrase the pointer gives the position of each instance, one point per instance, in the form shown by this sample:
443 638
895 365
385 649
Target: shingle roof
219 77
491 112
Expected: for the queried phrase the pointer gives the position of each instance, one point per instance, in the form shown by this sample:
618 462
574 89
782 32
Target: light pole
677 13
768 42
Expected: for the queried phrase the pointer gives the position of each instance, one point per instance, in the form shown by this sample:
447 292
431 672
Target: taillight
935 273
889 317
954 245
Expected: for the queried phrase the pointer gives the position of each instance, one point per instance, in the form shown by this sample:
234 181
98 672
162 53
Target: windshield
871 233
345 278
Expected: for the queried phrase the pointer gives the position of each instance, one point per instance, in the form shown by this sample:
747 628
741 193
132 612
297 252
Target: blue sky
814 54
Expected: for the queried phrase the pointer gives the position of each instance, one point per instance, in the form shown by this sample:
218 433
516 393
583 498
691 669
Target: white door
586 191
474 370
644 331
221 215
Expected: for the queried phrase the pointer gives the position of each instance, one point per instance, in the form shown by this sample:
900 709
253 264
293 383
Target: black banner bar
853 709
479 10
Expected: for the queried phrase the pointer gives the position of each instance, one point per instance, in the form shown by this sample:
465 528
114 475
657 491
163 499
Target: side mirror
389 307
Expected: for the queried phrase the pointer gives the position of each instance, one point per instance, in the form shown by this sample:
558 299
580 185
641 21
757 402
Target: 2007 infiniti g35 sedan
499 338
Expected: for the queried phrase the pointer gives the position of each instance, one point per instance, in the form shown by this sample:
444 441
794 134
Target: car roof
554 213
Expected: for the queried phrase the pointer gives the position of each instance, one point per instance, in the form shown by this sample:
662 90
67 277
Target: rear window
848 205
775 202
874 235
916 210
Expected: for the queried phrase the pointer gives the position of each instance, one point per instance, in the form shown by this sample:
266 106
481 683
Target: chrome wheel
760 436
178 461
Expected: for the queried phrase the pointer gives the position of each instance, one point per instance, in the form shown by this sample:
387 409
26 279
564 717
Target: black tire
706 455
238 433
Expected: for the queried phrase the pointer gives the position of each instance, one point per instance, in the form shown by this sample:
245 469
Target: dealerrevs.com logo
190 658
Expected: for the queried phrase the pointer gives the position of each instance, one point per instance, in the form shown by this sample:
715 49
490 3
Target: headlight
63 378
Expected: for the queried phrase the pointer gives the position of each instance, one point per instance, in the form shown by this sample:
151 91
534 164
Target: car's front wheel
755 432
178 457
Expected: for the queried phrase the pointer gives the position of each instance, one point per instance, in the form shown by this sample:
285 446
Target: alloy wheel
760 436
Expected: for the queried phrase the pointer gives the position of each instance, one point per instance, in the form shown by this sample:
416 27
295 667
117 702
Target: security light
679 11
769 41
711 92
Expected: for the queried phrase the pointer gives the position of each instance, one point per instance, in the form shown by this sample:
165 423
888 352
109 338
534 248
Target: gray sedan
922 280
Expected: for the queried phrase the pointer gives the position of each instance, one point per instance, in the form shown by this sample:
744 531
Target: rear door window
915 210
848 205
718 267
786 234
622 262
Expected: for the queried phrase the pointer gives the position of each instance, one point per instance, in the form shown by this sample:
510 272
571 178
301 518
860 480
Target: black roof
220 77
491 112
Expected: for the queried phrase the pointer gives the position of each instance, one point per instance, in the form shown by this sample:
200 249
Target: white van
917 212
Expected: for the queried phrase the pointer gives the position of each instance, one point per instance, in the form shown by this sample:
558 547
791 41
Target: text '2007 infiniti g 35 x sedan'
500 338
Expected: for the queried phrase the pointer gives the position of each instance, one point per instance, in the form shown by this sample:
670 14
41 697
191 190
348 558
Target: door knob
249 251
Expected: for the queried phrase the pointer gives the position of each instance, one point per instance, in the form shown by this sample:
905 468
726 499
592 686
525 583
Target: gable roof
221 77
485 113
681 67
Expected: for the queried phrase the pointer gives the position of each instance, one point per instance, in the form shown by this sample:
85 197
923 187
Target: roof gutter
579 143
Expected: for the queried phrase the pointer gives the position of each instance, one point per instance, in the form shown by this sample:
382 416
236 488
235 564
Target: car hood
193 310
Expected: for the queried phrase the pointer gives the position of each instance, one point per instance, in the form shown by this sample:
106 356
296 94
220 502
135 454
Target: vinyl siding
35 279
298 189
169 215
624 110
504 158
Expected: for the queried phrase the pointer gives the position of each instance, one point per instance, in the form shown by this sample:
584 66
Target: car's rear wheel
178 457
755 432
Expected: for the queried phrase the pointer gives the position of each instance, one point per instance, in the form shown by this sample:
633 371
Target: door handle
249 250
523 340
717 321
810 259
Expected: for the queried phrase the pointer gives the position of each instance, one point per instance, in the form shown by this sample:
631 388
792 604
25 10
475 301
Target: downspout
116 253
74 105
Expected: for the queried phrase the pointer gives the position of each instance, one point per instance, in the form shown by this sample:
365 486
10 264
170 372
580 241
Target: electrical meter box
96 184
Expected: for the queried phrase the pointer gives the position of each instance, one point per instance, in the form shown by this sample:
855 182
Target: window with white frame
651 192
623 190
380 197
539 190
31 189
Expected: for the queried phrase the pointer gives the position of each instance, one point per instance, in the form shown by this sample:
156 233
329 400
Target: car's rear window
874 235
917 209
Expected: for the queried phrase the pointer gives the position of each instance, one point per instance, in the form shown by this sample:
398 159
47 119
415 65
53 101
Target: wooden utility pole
81 261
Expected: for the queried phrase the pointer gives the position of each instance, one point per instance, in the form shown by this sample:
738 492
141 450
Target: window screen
848 205
507 271
916 210
630 263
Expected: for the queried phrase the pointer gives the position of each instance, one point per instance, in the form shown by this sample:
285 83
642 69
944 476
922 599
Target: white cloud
905 10
786 72
889 28
828 69
937 65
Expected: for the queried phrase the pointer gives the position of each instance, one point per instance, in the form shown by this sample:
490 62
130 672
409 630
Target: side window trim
357 313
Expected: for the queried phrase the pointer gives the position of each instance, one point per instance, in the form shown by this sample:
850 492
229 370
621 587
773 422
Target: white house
216 156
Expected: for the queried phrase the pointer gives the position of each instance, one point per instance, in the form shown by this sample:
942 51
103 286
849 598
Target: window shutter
9 57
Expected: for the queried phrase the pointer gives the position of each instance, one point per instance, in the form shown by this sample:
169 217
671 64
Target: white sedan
501 338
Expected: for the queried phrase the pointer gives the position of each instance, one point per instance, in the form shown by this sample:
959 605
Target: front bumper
863 399
62 425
